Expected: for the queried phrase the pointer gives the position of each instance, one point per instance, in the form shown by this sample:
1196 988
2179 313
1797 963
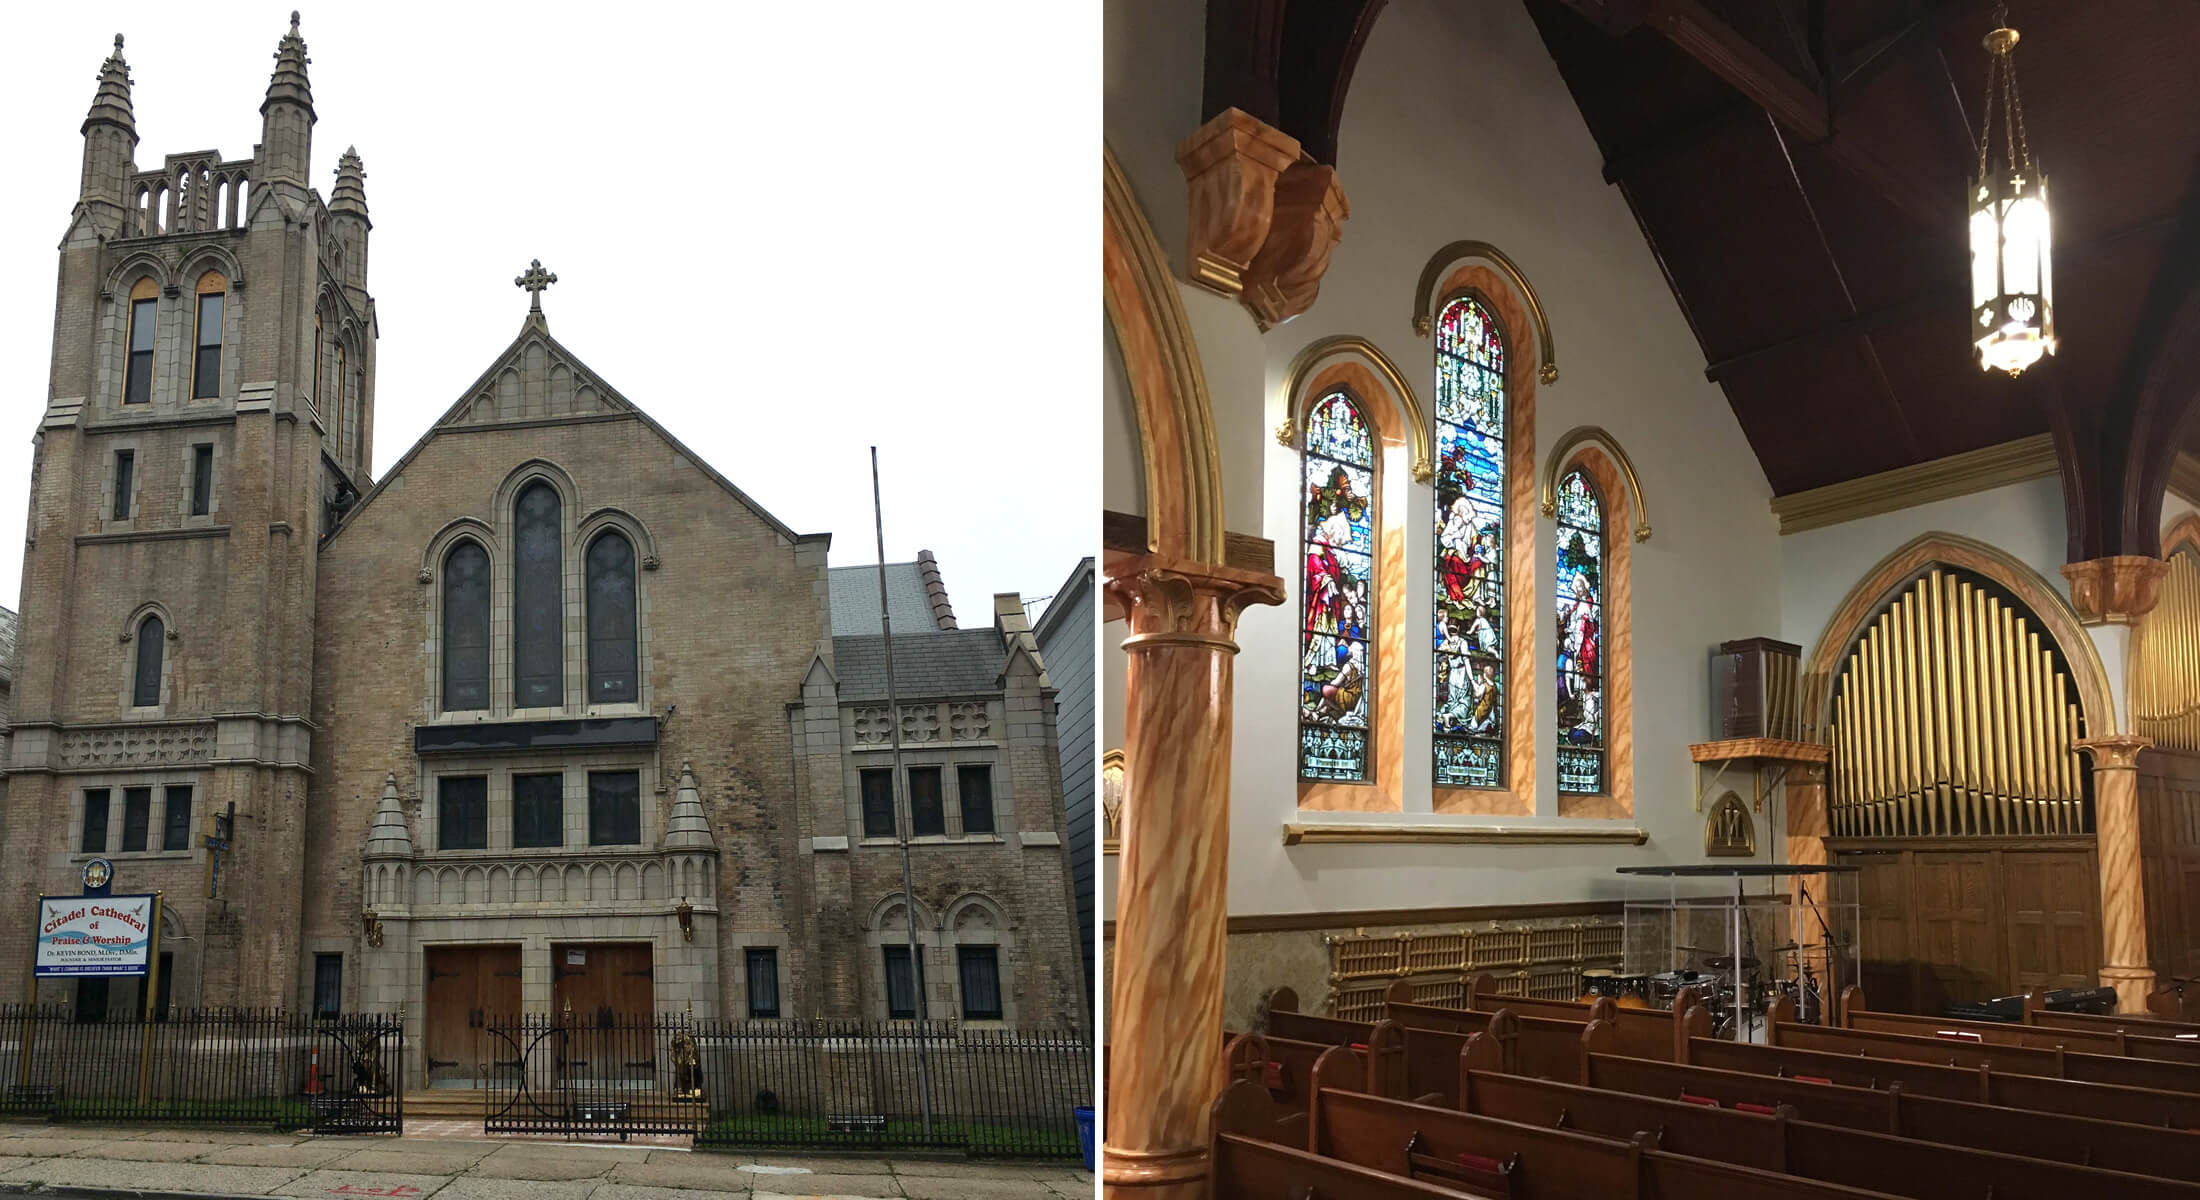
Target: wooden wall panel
2169 856
1943 925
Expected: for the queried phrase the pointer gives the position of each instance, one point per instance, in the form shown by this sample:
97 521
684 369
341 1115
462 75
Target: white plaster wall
1458 126
2175 508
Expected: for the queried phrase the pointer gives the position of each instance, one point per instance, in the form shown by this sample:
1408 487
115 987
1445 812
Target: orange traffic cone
313 1074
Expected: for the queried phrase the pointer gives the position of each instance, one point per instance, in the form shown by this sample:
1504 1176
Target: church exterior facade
548 715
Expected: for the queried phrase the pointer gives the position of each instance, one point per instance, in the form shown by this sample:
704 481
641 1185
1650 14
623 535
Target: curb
74 1192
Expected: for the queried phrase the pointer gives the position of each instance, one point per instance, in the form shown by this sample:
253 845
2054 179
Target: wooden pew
1642 1032
2056 1062
1542 1046
1727 1134
2132 1024
1246 1168
1458 1149
1833 1104
1407 1063
1284 1068
2082 1033
1902 1165
2108 1102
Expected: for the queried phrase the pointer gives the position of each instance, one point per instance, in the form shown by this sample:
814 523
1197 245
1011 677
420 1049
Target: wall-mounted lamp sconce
686 913
373 922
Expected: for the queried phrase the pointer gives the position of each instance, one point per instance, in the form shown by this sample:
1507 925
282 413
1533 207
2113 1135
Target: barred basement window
902 990
763 982
981 982
328 985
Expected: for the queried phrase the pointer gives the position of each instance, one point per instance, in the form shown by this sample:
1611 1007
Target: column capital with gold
2116 751
1178 601
2117 590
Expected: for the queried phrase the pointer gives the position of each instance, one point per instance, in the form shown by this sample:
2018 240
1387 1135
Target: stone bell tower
208 416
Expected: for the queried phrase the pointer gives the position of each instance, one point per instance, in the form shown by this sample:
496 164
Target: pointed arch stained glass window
1335 659
1470 547
1581 757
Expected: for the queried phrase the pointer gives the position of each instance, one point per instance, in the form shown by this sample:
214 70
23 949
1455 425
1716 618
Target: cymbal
1792 947
1725 962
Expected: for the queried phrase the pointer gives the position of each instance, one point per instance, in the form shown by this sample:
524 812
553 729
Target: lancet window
1470 617
1336 663
1580 640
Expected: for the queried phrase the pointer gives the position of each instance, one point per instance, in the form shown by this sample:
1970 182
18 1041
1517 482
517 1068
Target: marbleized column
2119 591
1165 1007
2124 964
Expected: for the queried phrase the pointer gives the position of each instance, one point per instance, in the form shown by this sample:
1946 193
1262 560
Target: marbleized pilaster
1165 1007
2124 964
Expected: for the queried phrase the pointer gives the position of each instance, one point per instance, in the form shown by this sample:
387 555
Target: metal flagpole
902 831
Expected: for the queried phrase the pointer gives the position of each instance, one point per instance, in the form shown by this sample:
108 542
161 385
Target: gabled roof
537 379
854 593
944 662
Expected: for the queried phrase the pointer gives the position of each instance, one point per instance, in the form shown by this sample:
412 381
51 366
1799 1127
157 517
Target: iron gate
606 1074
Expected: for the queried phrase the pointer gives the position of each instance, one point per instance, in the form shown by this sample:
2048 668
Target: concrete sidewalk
81 1160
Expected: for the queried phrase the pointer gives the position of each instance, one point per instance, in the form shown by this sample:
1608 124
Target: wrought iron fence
608 1073
788 1084
898 1085
197 1066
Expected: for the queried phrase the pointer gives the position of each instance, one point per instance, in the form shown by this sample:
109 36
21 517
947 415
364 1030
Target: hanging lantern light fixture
2012 280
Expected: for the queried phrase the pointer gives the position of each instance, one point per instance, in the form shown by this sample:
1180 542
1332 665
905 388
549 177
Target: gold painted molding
1423 298
1906 487
1311 833
1302 367
1168 385
1573 439
2184 476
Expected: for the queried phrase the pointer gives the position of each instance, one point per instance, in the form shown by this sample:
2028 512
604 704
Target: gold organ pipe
2043 740
1936 674
1991 715
2022 649
1927 764
1844 787
1874 702
1967 638
1917 816
1898 715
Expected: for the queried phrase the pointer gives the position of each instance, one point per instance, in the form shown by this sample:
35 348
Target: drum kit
1733 989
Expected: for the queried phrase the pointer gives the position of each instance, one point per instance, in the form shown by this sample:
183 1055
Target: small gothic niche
1729 832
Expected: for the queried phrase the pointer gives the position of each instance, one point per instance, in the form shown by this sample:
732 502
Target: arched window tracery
1470 614
1336 656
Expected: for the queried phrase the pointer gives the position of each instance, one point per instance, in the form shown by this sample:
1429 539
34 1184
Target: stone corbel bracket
1264 216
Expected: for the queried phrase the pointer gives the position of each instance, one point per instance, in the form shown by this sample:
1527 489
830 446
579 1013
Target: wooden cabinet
1948 923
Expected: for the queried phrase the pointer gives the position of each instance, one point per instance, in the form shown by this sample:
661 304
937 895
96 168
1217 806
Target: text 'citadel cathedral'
547 714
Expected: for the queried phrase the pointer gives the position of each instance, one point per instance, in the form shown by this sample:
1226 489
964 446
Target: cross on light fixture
2012 260
534 279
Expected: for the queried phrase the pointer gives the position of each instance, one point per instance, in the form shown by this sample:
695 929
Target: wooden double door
467 988
604 995
1945 924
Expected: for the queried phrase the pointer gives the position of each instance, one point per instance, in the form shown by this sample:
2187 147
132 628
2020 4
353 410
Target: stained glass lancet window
1334 658
538 601
612 656
1581 762
1470 547
465 628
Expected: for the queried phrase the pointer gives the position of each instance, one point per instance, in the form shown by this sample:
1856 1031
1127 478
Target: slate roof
941 662
855 601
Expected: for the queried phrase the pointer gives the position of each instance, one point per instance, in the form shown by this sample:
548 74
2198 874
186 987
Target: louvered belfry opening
1955 715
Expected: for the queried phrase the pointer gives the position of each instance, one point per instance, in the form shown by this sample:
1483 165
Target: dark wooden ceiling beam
1722 49
1287 63
1953 288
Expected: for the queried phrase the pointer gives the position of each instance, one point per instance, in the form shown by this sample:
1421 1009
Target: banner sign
94 935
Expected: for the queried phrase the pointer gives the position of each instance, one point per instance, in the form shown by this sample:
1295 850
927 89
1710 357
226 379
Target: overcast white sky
788 231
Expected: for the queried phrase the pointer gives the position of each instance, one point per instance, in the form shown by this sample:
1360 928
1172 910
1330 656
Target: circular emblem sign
97 873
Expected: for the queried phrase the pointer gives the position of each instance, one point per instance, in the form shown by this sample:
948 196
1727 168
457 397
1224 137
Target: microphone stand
1827 933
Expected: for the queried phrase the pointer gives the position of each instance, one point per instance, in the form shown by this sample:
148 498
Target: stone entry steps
443 1103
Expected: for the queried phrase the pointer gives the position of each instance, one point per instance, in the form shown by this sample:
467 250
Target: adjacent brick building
548 715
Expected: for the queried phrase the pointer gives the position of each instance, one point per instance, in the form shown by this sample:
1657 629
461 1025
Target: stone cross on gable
534 279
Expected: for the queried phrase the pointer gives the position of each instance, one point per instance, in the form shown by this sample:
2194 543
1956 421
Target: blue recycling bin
1084 1132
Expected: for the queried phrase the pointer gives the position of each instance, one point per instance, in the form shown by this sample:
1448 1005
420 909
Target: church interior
1651 640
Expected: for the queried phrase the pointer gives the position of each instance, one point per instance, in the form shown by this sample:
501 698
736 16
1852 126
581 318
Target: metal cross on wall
225 823
534 279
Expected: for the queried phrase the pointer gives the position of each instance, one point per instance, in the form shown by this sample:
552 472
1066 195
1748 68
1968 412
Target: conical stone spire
390 837
289 83
688 829
111 104
350 195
